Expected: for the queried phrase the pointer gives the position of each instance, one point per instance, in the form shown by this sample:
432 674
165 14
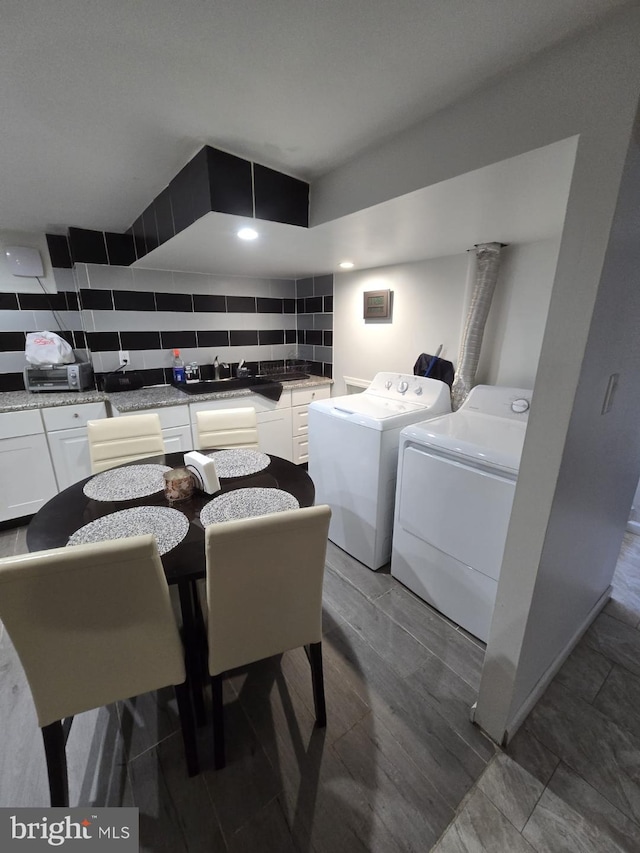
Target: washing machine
456 480
353 457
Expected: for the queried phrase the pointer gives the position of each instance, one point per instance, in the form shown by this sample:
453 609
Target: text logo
28 829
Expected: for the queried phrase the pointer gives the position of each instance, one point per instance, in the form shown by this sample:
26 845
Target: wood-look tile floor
399 766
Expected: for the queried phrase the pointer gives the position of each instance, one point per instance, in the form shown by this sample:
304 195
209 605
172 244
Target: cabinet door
177 438
70 455
274 432
28 476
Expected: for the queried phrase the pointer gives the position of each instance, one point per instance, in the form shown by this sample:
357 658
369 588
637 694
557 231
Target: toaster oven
59 377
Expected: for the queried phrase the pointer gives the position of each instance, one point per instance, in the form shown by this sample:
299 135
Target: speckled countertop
17 401
155 397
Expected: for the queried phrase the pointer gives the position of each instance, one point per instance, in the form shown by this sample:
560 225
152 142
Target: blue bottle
178 368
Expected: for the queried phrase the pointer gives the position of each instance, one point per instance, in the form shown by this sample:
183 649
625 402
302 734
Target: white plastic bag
47 348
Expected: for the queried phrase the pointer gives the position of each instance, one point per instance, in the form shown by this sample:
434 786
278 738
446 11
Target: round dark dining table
71 509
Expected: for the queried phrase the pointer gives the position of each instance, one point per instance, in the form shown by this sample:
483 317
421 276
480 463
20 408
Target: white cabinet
274 429
175 423
27 473
273 418
66 428
282 425
300 399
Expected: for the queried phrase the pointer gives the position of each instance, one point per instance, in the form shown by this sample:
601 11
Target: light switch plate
610 393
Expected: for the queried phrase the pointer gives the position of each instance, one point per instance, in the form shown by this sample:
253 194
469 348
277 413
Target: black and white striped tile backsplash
149 313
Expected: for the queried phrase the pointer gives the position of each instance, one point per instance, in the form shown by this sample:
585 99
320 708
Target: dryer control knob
418 390
388 384
520 405
403 386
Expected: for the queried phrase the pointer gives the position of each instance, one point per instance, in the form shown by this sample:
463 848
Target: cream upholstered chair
227 428
92 624
114 441
264 596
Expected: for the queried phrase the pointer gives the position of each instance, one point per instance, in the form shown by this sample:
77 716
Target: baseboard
527 706
11 523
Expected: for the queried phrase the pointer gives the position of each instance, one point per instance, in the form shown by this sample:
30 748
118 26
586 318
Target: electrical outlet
123 357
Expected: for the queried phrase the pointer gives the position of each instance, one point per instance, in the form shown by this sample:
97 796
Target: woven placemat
169 526
239 462
246 503
126 484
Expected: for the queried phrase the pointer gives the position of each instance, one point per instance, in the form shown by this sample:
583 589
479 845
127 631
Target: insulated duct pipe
488 264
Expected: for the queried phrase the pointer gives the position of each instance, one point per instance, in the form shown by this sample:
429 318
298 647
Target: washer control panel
412 389
520 405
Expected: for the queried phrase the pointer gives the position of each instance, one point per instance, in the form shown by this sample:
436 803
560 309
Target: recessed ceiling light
346 265
247 234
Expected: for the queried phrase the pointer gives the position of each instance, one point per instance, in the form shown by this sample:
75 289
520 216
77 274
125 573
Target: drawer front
299 420
304 396
16 424
300 449
170 416
263 404
68 417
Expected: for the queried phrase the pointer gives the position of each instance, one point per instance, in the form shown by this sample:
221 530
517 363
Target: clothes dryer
353 457
456 480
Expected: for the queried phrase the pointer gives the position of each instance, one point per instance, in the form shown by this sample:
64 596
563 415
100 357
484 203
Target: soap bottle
178 367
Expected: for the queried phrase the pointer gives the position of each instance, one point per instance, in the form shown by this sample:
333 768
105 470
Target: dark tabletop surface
65 513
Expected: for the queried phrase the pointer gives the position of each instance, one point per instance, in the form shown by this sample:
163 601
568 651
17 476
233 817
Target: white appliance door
462 511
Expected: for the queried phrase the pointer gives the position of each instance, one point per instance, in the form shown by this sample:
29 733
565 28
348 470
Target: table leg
193 654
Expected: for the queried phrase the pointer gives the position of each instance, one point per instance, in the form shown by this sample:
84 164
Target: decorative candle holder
179 484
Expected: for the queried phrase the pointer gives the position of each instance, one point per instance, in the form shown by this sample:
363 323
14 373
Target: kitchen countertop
155 397
18 401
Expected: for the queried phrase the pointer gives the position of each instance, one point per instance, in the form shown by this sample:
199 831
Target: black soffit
212 181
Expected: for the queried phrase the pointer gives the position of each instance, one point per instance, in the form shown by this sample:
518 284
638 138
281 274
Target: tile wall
315 321
213 180
149 313
28 309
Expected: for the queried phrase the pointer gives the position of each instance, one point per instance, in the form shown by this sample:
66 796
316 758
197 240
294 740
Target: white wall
587 87
515 327
427 311
430 300
597 476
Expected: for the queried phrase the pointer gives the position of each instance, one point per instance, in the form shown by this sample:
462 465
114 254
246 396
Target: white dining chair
233 428
92 624
263 597
114 441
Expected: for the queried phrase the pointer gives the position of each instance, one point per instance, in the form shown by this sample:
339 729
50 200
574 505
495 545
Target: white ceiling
103 103
515 201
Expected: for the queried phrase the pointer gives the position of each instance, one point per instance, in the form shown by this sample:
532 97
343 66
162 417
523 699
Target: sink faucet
216 367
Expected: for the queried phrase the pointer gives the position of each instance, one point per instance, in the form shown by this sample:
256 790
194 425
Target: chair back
114 441
264 585
227 428
92 624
